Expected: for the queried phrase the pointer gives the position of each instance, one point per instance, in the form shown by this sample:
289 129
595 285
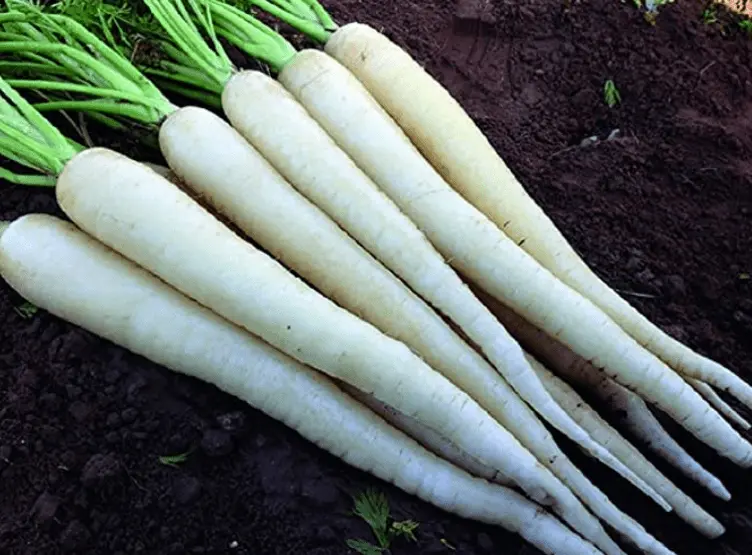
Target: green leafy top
250 35
28 139
192 60
307 16
373 507
75 66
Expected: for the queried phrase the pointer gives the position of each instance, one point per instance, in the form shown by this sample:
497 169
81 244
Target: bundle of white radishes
351 256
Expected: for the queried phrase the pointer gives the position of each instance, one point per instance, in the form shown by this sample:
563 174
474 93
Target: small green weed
373 507
611 94
710 15
174 460
26 310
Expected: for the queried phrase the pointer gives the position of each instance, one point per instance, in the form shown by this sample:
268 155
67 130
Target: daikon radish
720 405
307 242
66 272
133 210
296 235
236 180
612 440
446 135
633 411
47 143
488 257
259 293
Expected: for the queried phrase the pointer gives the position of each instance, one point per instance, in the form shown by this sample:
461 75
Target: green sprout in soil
710 15
174 460
26 310
611 94
448 545
373 507
746 25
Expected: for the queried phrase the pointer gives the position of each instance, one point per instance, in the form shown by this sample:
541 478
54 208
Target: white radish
133 210
612 440
447 136
720 405
238 181
474 245
634 412
286 135
276 124
428 438
66 272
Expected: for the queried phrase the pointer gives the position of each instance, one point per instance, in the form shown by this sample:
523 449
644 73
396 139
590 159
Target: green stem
253 37
31 67
186 76
110 108
211 99
326 20
86 89
320 30
26 152
111 76
179 25
28 180
28 116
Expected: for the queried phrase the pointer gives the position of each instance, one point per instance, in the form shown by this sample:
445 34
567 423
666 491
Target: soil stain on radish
663 213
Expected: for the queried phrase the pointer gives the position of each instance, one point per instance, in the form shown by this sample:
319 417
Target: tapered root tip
719 490
3 227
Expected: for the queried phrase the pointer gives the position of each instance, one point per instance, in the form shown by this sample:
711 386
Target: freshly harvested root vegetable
66 272
291 240
296 135
488 257
251 289
341 102
451 141
612 440
567 503
720 405
633 411
136 212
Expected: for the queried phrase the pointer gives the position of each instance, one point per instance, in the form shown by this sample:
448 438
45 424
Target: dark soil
664 212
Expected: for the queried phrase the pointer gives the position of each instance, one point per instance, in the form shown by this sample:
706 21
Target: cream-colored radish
286 135
68 273
448 138
304 153
446 449
633 411
475 246
428 438
612 440
232 177
138 213
719 404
